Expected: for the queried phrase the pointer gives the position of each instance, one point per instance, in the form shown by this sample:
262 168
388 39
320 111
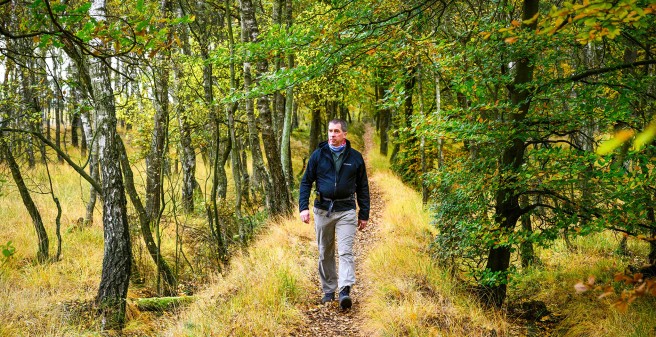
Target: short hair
340 122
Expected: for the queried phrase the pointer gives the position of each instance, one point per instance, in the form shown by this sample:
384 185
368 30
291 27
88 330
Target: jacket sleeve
362 191
306 183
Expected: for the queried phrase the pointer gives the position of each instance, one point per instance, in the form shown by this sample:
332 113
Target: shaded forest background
521 123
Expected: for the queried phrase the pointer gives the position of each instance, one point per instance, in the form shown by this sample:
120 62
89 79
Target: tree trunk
42 235
230 117
78 97
242 144
48 112
422 142
188 160
170 282
27 101
285 148
219 185
315 130
259 177
651 217
384 119
187 152
281 203
507 210
440 141
281 200
155 160
58 103
651 201
94 171
527 253
295 116
278 113
117 257
75 125
219 179
408 107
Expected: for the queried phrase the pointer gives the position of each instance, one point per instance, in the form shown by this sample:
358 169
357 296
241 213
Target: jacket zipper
330 156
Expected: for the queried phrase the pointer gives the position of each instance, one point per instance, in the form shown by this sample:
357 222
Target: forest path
330 320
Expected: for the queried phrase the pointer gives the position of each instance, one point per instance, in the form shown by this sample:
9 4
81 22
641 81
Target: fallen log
162 303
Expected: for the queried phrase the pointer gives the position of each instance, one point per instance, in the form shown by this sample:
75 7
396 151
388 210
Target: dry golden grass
31 295
261 293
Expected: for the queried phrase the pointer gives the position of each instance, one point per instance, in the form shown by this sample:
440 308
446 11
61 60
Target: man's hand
362 224
305 216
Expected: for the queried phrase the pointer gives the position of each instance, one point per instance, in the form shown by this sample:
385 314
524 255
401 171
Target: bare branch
59 151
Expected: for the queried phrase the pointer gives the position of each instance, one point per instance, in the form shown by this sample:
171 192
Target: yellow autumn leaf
615 142
645 136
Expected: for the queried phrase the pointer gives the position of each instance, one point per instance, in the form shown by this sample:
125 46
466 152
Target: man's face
335 134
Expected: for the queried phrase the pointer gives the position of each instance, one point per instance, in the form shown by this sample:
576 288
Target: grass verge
259 295
411 295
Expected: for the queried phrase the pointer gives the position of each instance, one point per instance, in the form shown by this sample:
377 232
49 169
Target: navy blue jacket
352 179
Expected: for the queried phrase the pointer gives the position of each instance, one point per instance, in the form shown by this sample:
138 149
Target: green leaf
142 24
8 250
84 9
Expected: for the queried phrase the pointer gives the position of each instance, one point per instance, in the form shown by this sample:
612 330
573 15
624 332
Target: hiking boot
328 297
344 298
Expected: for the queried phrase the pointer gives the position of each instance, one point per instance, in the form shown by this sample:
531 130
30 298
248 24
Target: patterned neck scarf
337 149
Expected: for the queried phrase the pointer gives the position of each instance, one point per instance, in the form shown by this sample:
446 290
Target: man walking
341 179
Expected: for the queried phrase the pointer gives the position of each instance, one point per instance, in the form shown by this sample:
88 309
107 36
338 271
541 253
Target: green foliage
62 24
8 251
563 184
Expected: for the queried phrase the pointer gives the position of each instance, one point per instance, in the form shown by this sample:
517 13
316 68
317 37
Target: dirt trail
330 320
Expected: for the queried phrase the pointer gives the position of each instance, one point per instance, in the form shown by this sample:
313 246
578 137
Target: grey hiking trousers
343 225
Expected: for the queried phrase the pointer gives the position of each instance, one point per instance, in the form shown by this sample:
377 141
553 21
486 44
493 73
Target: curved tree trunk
219 185
42 235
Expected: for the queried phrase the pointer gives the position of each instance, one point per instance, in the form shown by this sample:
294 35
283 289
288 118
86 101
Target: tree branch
96 186
556 141
599 71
